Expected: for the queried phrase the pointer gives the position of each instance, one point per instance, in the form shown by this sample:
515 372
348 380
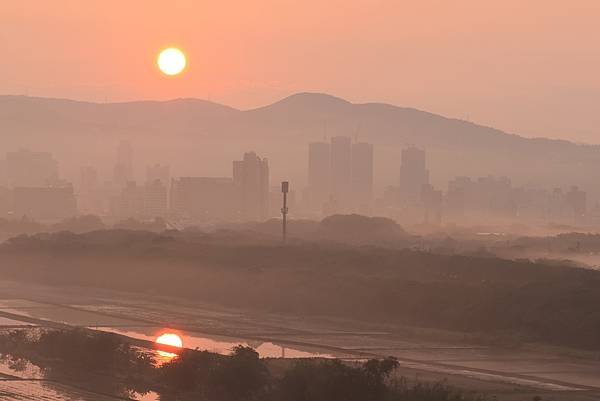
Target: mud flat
509 374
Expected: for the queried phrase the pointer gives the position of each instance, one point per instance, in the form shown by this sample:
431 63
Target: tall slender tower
413 174
284 210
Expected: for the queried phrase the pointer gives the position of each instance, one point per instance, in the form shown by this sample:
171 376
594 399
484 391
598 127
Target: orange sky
530 67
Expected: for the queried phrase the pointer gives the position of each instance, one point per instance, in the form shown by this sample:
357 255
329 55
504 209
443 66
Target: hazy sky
527 66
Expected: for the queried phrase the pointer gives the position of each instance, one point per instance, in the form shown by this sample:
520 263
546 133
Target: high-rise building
129 203
362 176
251 177
25 168
203 199
494 194
340 176
459 198
413 174
319 174
341 170
155 199
123 171
159 172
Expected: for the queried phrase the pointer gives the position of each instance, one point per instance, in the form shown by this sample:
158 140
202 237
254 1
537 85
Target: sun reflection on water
171 339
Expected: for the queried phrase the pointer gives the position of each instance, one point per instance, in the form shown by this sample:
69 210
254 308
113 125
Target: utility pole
284 210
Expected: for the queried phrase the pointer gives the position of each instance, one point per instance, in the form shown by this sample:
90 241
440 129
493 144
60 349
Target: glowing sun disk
171 339
171 61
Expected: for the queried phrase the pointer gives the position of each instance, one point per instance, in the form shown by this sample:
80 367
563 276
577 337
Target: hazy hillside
186 132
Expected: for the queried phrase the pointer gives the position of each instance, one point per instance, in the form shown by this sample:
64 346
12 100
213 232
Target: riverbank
506 373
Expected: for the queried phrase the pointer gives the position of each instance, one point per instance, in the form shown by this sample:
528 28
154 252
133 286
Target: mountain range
198 137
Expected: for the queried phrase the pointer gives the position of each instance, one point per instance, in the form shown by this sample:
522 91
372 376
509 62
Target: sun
171 339
171 61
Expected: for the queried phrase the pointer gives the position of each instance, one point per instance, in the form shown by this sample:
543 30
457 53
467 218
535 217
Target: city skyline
340 181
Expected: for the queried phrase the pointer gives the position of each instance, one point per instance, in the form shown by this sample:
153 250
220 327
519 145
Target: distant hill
347 229
362 230
198 137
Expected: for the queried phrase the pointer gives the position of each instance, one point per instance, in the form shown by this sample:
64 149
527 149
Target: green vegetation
101 359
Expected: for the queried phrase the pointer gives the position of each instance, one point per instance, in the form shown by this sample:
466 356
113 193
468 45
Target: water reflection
23 380
149 396
218 344
162 357
170 339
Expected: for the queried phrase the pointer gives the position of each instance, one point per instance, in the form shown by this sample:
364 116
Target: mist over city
368 201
